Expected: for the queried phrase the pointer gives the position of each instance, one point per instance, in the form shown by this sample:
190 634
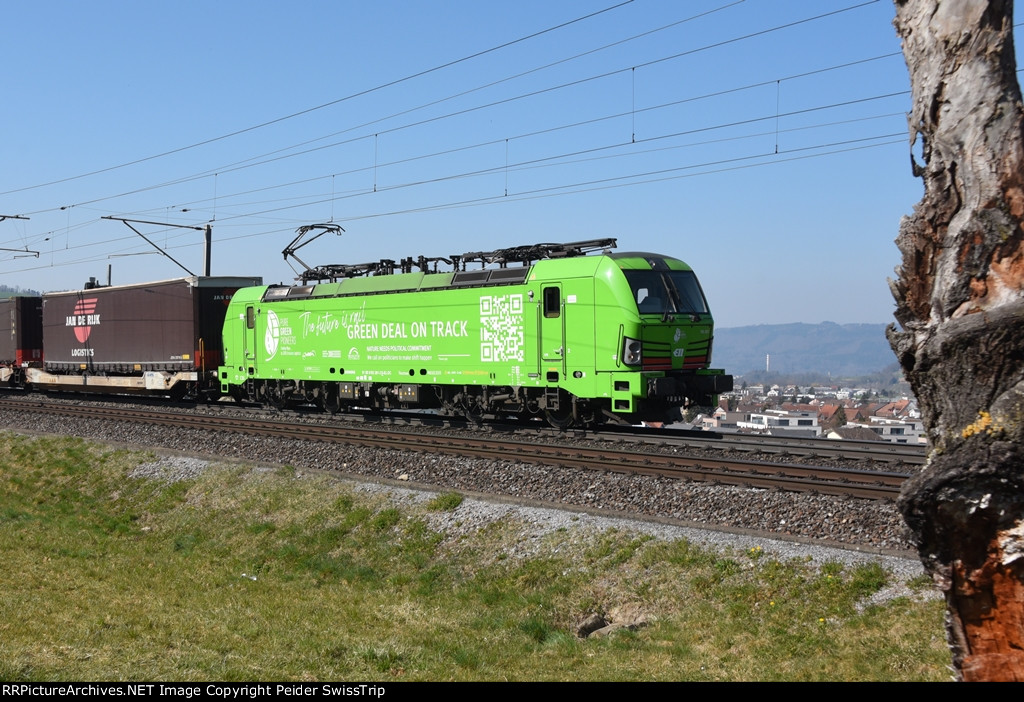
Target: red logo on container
84 318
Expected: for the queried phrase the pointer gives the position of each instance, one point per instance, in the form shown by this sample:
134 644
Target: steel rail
740 473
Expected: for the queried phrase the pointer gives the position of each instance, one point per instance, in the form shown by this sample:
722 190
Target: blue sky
763 141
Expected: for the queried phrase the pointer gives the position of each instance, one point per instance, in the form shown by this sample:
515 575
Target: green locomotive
551 330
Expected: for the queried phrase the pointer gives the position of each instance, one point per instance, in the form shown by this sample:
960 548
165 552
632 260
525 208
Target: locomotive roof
402 282
646 260
524 255
546 269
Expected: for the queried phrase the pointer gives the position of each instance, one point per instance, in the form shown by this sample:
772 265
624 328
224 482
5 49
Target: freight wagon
21 337
159 338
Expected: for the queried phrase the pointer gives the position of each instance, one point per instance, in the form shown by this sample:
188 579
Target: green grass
445 502
244 574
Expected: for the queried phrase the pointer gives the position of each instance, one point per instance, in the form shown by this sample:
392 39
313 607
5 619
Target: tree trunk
960 302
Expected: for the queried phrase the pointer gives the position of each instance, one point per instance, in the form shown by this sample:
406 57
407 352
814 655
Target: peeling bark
960 303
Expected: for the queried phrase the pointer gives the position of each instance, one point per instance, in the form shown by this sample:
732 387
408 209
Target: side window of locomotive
646 303
648 291
250 318
552 302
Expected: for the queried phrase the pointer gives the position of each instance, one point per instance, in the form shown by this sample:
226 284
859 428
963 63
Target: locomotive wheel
473 412
332 402
560 419
277 397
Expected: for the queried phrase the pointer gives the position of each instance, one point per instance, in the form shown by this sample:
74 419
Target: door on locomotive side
552 327
249 339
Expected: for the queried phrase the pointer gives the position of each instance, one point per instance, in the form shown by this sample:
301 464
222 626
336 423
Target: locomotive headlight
632 351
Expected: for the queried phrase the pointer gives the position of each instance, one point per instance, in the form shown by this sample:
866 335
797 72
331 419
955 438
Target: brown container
21 330
170 325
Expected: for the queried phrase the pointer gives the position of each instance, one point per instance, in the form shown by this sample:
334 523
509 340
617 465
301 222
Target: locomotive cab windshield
667 292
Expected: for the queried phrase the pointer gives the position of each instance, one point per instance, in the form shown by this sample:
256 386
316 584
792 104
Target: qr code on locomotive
501 328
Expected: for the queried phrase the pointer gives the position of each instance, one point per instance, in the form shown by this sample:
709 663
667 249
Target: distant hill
839 350
7 291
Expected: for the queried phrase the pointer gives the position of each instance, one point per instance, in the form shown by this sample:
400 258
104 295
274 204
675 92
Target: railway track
629 457
810 448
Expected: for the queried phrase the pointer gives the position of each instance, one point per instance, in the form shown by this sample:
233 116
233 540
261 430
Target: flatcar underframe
176 384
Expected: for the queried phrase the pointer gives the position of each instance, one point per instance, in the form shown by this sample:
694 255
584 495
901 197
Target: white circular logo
272 335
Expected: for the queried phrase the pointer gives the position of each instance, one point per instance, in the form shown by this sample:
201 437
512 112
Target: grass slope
254 574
